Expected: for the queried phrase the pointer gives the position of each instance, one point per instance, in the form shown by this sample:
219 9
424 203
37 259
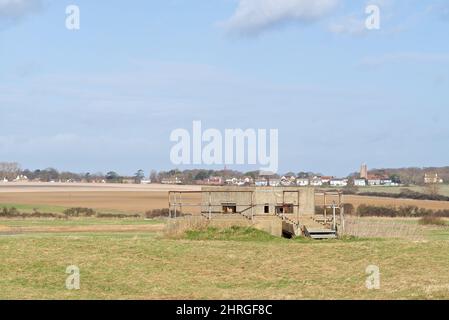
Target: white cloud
11 10
255 16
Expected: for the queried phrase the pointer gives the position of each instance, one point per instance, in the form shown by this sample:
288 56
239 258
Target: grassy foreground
209 266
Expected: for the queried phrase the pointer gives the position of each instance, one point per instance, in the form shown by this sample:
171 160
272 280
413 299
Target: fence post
342 218
175 205
334 221
210 207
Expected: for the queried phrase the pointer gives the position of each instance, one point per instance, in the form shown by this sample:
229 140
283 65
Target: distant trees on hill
413 175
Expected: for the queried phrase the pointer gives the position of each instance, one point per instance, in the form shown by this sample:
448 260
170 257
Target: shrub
406 194
117 215
14 213
403 212
177 228
432 220
158 213
373 211
79 212
349 208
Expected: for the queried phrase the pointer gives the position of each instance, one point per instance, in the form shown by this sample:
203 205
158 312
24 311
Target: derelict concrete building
257 201
278 210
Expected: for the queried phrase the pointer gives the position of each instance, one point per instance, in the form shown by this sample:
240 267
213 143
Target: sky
107 96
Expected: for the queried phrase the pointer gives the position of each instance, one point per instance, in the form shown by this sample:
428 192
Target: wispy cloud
352 25
14 10
253 17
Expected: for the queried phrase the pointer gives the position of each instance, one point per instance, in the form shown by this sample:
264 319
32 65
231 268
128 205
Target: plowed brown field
138 199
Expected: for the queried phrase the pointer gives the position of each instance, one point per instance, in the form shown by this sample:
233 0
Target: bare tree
9 170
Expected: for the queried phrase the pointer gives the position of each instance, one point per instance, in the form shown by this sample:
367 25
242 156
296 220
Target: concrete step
320 233
323 236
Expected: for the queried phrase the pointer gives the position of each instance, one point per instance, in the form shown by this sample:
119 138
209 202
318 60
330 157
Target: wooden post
297 208
252 203
210 207
180 204
325 211
175 204
169 204
342 218
283 205
334 217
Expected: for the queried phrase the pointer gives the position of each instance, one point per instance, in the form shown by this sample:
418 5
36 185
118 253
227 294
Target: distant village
11 173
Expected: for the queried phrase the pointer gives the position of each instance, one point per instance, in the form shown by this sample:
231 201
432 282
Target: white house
21 178
360 182
275 182
174 180
302 182
338 182
374 182
326 180
261 183
432 178
288 181
316 182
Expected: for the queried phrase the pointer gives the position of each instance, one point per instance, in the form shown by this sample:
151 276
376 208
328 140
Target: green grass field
30 208
239 264
75 222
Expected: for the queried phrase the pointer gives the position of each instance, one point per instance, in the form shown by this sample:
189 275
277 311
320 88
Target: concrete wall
259 197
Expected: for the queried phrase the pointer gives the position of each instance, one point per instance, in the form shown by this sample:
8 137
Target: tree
201 175
153 176
252 174
138 176
303 175
9 170
112 176
395 178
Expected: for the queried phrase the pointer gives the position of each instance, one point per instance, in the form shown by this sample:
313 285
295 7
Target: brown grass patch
383 228
176 228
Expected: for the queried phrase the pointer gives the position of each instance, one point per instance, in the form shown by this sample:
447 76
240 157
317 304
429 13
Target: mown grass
233 233
145 266
232 263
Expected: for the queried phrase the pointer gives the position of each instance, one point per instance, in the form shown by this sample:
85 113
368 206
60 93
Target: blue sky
106 97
